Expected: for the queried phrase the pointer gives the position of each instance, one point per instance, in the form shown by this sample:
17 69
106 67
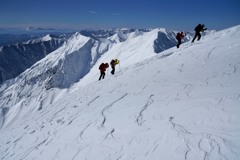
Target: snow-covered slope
59 69
180 104
67 65
138 46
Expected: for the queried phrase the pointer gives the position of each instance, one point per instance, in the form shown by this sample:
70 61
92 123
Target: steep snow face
138 46
181 104
60 69
67 64
15 59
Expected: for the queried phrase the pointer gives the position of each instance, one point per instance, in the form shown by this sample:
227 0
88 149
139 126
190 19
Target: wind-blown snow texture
180 104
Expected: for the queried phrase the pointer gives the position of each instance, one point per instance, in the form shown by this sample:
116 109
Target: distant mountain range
16 58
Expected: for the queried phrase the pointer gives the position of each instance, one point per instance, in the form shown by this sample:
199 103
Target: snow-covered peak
47 38
164 30
76 34
57 61
134 34
119 36
125 29
59 69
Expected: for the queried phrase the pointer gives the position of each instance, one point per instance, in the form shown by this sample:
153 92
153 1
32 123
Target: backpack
198 28
101 66
112 62
178 35
116 61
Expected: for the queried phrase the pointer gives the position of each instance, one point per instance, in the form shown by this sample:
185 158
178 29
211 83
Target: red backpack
101 66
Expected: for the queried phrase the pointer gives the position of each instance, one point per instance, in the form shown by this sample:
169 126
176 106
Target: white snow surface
180 104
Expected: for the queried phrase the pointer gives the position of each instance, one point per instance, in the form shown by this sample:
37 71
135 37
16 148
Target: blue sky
171 14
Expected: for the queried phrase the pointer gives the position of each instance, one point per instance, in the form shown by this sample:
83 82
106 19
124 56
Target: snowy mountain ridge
71 62
47 37
178 104
25 54
14 59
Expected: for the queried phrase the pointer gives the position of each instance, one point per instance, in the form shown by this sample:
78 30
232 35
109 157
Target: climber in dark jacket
199 28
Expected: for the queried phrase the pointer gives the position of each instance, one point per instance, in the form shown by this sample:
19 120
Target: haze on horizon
74 14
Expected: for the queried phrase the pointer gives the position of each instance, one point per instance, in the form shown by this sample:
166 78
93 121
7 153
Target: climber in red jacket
102 69
179 37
